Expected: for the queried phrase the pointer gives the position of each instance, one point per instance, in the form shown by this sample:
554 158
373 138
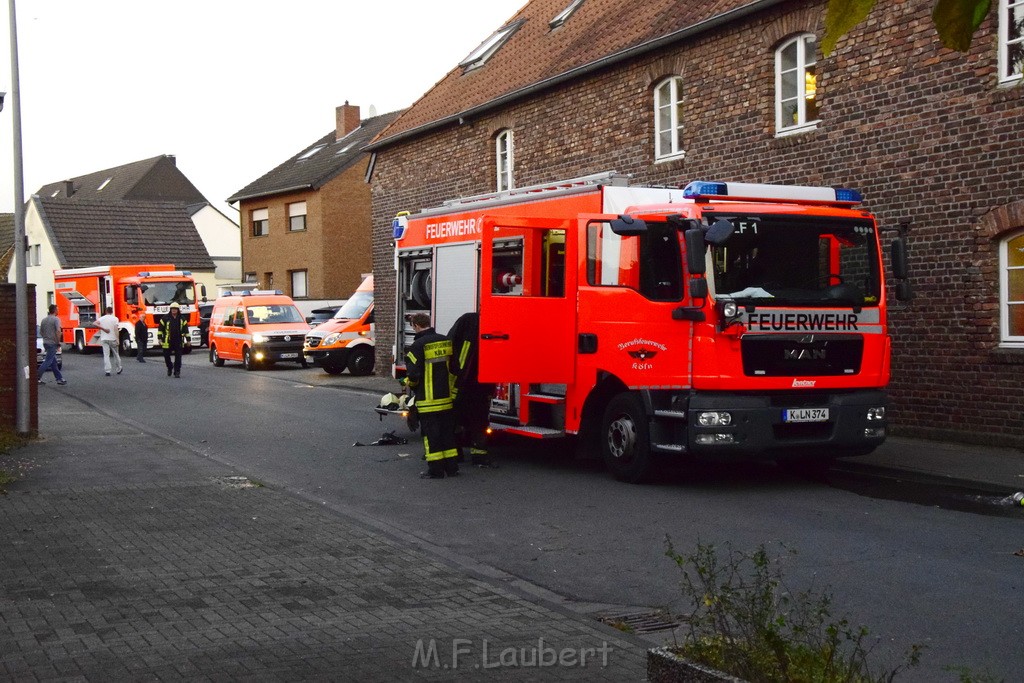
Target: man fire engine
718 321
134 292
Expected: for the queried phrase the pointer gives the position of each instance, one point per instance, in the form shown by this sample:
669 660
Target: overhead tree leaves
955 21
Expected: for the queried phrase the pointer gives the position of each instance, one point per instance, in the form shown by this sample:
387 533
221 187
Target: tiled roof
93 233
597 33
311 172
157 179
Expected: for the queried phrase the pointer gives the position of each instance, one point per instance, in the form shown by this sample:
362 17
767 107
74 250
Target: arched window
504 159
796 85
668 119
1011 289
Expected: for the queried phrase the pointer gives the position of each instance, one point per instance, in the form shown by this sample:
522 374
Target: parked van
256 327
346 340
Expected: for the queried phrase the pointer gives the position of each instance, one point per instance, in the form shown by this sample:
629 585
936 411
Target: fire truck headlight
330 339
876 414
874 432
729 309
715 439
714 419
258 339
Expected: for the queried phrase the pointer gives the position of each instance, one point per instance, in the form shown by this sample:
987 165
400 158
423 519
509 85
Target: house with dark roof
157 179
738 90
306 223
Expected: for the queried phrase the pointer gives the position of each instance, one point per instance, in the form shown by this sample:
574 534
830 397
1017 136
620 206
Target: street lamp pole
22 376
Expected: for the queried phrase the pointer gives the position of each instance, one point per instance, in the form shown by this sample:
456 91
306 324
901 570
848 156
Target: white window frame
1007 339
293 275
803 63
486 49
564 15
1005 9
668 98
296 211
260 216
504 159
35 255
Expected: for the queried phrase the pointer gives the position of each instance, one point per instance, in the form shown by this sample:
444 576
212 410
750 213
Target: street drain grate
640 622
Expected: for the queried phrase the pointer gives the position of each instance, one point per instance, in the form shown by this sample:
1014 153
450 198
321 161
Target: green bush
745 622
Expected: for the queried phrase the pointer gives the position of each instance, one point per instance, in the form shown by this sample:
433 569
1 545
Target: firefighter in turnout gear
472 399
428 376
173 335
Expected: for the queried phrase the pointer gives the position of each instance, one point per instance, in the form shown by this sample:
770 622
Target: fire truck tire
360 360
124 344
333 368
215 357
247 360
625 442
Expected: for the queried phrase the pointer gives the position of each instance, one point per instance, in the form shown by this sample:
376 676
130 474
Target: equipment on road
717 321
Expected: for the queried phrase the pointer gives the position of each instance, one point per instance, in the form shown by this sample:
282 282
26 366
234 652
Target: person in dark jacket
141 337
428 376
173 334
472 398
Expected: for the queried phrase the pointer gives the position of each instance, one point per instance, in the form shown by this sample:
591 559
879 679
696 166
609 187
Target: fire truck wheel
624 438
124 344
215 357
333 369
247 360
360 360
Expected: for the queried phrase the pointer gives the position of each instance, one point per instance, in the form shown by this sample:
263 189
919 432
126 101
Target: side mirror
719 232
898 252
698 288
202 291
695 249
627 226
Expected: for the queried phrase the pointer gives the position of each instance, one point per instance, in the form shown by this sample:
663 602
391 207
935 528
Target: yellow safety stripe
464 354
438 349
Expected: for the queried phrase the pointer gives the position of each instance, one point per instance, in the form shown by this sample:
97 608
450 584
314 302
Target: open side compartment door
528 274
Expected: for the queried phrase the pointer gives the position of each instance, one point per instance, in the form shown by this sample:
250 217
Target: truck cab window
650 263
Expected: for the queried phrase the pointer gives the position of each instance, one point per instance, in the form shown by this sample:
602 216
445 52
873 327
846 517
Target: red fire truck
82 294
717 321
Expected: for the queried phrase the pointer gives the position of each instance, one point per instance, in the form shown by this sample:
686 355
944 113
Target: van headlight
258 339
331 339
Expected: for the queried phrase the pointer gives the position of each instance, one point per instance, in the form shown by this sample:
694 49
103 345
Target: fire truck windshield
164 293
789 260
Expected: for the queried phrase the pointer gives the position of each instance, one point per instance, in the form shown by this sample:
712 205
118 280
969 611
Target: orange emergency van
256 327
346 340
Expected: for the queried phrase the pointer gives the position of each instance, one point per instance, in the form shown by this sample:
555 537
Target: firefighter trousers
472 410
439 445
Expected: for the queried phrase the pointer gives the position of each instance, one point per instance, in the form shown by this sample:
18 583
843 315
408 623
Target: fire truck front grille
801 355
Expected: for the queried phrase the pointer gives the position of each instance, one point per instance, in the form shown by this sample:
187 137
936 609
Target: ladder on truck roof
518 194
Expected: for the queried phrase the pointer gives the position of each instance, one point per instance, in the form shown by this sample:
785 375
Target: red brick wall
9 361
924 133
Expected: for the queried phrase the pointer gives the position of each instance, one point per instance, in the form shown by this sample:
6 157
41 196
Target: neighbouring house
7 242
86 233
669 92
306 224
155 180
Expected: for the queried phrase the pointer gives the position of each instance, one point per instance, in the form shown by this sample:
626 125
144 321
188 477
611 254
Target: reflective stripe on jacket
166 334
427 371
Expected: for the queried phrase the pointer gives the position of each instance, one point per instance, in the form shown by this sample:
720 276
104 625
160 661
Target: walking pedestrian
49 330
141 337
428 376
109 330
472 398
173 334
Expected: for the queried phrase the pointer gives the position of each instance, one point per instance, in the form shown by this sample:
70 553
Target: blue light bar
845 194
750 192
700 188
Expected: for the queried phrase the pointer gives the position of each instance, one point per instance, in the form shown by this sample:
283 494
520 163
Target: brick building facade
929 136
9 360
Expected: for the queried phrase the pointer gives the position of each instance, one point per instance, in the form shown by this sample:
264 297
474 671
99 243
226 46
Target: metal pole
23 415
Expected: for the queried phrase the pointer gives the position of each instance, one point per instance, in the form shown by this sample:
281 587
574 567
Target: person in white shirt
109 333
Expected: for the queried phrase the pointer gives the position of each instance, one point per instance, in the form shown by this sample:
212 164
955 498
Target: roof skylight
311 152
483 52
104 183
564 15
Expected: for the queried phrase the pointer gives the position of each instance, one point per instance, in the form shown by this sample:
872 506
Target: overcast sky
232 88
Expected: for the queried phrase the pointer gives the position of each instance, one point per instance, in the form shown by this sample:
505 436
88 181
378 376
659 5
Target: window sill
1007 355
668 159
803 136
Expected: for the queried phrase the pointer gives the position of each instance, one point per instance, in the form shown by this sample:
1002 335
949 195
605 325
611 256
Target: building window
668 119
1011 290
297 216
486 49
299 290
796 85
249 277
260 222
50 299
35 255
564 15
504 159
1011 40
268 277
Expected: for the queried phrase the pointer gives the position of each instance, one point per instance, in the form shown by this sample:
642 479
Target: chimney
347 117
69 188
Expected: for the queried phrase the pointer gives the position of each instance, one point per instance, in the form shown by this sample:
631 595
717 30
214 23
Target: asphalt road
911 573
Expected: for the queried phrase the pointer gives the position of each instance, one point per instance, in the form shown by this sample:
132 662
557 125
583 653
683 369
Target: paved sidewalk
127 557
